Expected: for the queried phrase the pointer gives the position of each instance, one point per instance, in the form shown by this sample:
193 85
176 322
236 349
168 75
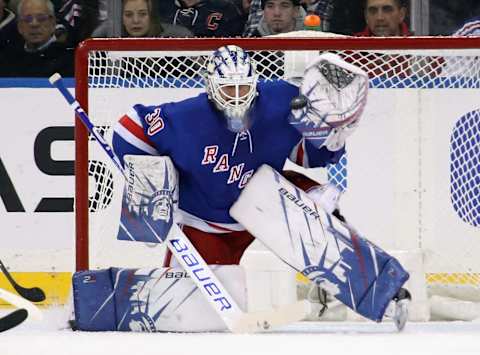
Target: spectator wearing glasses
39 54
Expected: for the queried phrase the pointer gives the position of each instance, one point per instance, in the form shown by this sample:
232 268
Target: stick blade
34 294
13 319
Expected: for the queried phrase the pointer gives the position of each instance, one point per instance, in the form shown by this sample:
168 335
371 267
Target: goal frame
193 44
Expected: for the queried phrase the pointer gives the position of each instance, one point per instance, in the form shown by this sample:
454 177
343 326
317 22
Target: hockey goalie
213 165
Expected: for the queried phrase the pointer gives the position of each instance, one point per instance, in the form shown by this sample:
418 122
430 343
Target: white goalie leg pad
169 300
317 244
151 300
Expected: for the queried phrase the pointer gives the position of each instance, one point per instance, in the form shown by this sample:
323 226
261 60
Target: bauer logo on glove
332 96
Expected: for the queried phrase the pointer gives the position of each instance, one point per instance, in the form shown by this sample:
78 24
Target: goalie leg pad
383 290
150 300
316 243
94 304
372 280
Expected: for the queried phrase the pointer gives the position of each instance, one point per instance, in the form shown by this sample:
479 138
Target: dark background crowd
38 37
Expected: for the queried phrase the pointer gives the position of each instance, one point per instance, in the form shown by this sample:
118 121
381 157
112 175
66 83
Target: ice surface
51 337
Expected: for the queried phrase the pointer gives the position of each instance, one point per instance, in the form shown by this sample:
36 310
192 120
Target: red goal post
411 175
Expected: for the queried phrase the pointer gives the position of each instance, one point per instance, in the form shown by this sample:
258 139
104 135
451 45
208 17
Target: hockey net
411 175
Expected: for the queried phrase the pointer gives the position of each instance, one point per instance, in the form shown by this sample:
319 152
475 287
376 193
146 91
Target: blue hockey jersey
214 164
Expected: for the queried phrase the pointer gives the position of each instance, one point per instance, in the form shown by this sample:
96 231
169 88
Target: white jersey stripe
133 115
185 218
133 140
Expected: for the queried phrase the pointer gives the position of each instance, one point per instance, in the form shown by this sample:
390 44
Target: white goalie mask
231 83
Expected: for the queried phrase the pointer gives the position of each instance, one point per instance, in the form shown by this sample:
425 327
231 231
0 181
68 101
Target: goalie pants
215 248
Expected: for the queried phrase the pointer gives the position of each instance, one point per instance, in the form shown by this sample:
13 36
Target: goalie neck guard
231 83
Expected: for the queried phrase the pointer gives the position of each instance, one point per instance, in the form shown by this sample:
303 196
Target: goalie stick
219 298
13 319
34 294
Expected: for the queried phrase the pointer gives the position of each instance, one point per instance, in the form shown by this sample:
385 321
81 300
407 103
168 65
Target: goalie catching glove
333 94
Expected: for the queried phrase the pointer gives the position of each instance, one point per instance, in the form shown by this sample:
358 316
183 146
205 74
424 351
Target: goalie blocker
320 246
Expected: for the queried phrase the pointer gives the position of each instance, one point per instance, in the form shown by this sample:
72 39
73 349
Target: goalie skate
398 308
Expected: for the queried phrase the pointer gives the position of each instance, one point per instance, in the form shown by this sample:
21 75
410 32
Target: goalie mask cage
411 174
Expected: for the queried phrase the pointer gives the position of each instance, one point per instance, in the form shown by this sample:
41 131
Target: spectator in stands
280 16
205 18
8 28
385 18
39 54
139 21
323 8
